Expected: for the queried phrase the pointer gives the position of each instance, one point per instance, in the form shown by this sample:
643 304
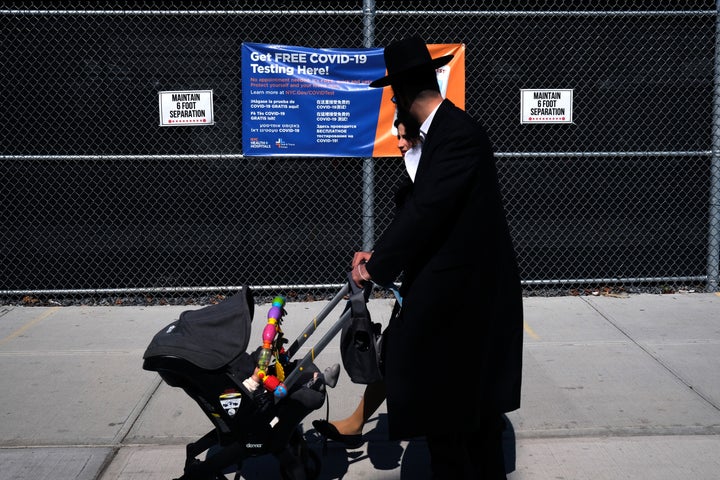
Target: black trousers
476 455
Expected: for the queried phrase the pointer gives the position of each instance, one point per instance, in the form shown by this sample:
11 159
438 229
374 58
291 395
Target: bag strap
359 297
395 292
355 289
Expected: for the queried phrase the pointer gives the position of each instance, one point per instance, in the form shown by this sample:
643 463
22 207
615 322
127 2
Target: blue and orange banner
301 101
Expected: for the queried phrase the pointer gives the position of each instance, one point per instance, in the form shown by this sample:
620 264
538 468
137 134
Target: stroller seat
203 353
208 387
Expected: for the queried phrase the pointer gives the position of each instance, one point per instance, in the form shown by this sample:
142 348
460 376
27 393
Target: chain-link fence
97 199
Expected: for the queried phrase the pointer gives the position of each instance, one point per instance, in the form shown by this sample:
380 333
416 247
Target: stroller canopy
210 337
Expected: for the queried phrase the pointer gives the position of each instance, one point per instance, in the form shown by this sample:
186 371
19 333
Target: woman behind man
349 430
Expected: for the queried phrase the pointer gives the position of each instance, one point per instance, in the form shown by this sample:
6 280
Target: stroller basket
204 353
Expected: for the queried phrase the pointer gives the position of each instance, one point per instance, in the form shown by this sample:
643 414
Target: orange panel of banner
451 79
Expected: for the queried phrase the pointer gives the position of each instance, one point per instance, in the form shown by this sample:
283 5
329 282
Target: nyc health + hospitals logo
280 143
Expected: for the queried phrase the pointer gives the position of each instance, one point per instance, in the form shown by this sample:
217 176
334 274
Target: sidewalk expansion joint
654 357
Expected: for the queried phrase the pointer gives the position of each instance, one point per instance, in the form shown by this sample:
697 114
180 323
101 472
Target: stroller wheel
297 461
313 465
307 470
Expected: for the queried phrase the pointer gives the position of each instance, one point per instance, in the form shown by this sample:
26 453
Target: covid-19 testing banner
300 101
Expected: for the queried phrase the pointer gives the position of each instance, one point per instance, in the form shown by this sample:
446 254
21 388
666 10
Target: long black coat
454 354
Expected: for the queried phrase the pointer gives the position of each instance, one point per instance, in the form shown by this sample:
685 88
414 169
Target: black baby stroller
204 353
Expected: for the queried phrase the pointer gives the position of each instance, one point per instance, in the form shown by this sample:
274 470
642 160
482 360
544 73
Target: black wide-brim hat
407 57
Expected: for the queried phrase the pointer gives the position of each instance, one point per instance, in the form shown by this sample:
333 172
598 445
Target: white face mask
412 159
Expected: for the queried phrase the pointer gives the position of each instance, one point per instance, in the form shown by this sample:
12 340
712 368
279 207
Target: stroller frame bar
323 342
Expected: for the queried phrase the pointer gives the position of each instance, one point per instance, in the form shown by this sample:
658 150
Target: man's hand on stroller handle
360 274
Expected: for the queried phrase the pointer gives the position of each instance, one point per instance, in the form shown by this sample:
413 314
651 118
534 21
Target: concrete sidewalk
614 388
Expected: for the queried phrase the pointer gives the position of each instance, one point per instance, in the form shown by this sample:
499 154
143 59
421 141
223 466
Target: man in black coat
453 356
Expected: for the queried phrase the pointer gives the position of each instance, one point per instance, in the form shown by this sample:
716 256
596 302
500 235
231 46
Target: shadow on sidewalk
376 454
408 462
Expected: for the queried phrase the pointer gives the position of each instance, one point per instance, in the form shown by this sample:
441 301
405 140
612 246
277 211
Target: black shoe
328 430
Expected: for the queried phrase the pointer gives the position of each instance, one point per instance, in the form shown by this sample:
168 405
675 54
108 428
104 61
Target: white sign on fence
546 106
190 107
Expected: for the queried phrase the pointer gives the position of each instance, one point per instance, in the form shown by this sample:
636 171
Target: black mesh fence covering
98 199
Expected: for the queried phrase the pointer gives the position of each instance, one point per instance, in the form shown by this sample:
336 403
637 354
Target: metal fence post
368 200
713 258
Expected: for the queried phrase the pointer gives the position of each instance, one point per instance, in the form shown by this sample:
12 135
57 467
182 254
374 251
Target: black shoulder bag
360 340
